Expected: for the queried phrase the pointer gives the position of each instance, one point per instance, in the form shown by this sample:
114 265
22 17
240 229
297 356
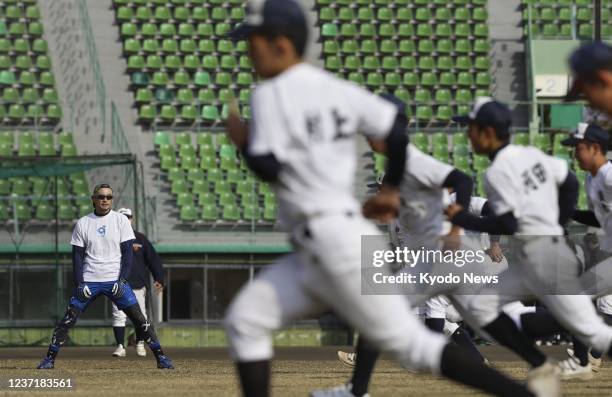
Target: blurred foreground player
102 254
145 261
301 140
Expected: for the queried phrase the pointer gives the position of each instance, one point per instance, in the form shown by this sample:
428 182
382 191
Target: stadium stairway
74 78
508 55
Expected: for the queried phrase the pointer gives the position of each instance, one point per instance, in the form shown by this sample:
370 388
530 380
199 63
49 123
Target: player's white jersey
421 213
476 203
308 119
475 208
599 193
101 236
525 181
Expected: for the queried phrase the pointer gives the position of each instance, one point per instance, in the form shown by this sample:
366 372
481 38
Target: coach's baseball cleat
46 363
571 369
347 358
595 362
140 349
164 362
337 391
119 351
545 381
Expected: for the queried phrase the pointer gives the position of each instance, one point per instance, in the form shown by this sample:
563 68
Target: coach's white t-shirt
308 119
525 181
599 192
101 236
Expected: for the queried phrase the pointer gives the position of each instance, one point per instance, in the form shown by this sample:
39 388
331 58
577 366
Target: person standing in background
146 260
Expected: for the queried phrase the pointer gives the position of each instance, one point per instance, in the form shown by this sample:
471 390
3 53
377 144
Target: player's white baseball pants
544 263
119 317
324 273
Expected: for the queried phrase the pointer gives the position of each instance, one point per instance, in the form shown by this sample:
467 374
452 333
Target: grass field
208 372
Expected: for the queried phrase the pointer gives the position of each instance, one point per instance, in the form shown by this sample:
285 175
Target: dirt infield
208 372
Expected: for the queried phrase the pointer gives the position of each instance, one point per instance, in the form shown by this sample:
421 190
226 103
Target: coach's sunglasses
102 197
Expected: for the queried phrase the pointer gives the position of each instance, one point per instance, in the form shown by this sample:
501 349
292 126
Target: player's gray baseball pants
545 267
322 274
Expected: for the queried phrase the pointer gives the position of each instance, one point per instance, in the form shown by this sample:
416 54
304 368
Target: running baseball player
523 185
102 254
590 143
146 261
302 140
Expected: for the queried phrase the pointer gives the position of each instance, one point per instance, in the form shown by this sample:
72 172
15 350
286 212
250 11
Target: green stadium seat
68 150
481 163
521 138
210 213
188 213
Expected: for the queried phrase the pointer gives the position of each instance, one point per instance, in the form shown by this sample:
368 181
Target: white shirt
475 208
599 193
308 119
421 212
525 181
101 236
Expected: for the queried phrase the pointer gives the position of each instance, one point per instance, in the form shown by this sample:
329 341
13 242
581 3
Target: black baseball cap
270 13
584 62
488 112
588 132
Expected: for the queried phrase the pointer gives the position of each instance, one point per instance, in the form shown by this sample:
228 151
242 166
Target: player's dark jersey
146 260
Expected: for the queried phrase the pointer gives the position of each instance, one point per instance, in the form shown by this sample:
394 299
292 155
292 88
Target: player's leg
386 320
77 305
119 320
484 312
141 294
126 301
275 296
554 272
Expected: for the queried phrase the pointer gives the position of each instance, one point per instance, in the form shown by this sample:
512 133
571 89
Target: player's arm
386 203
568 198
78 254
127 257
586 217
78 261
251 138
505 224
153 262
462 186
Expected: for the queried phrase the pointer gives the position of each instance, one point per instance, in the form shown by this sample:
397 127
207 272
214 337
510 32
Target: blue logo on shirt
101 231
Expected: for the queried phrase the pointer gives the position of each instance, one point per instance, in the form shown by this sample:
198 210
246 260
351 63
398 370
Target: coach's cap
588 132
489 113
585 61
270 13
125 211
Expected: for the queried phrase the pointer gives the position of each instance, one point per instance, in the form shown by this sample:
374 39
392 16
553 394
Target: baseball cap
125 211
585 61
489 113
270 13
588 132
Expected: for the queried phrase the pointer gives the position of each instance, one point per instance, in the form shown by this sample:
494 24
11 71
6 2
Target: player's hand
236 129
495 252
83 293
158 287
383 207
452 210
119 288
452 241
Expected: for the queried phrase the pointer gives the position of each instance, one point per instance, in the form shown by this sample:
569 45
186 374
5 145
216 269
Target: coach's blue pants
105 288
